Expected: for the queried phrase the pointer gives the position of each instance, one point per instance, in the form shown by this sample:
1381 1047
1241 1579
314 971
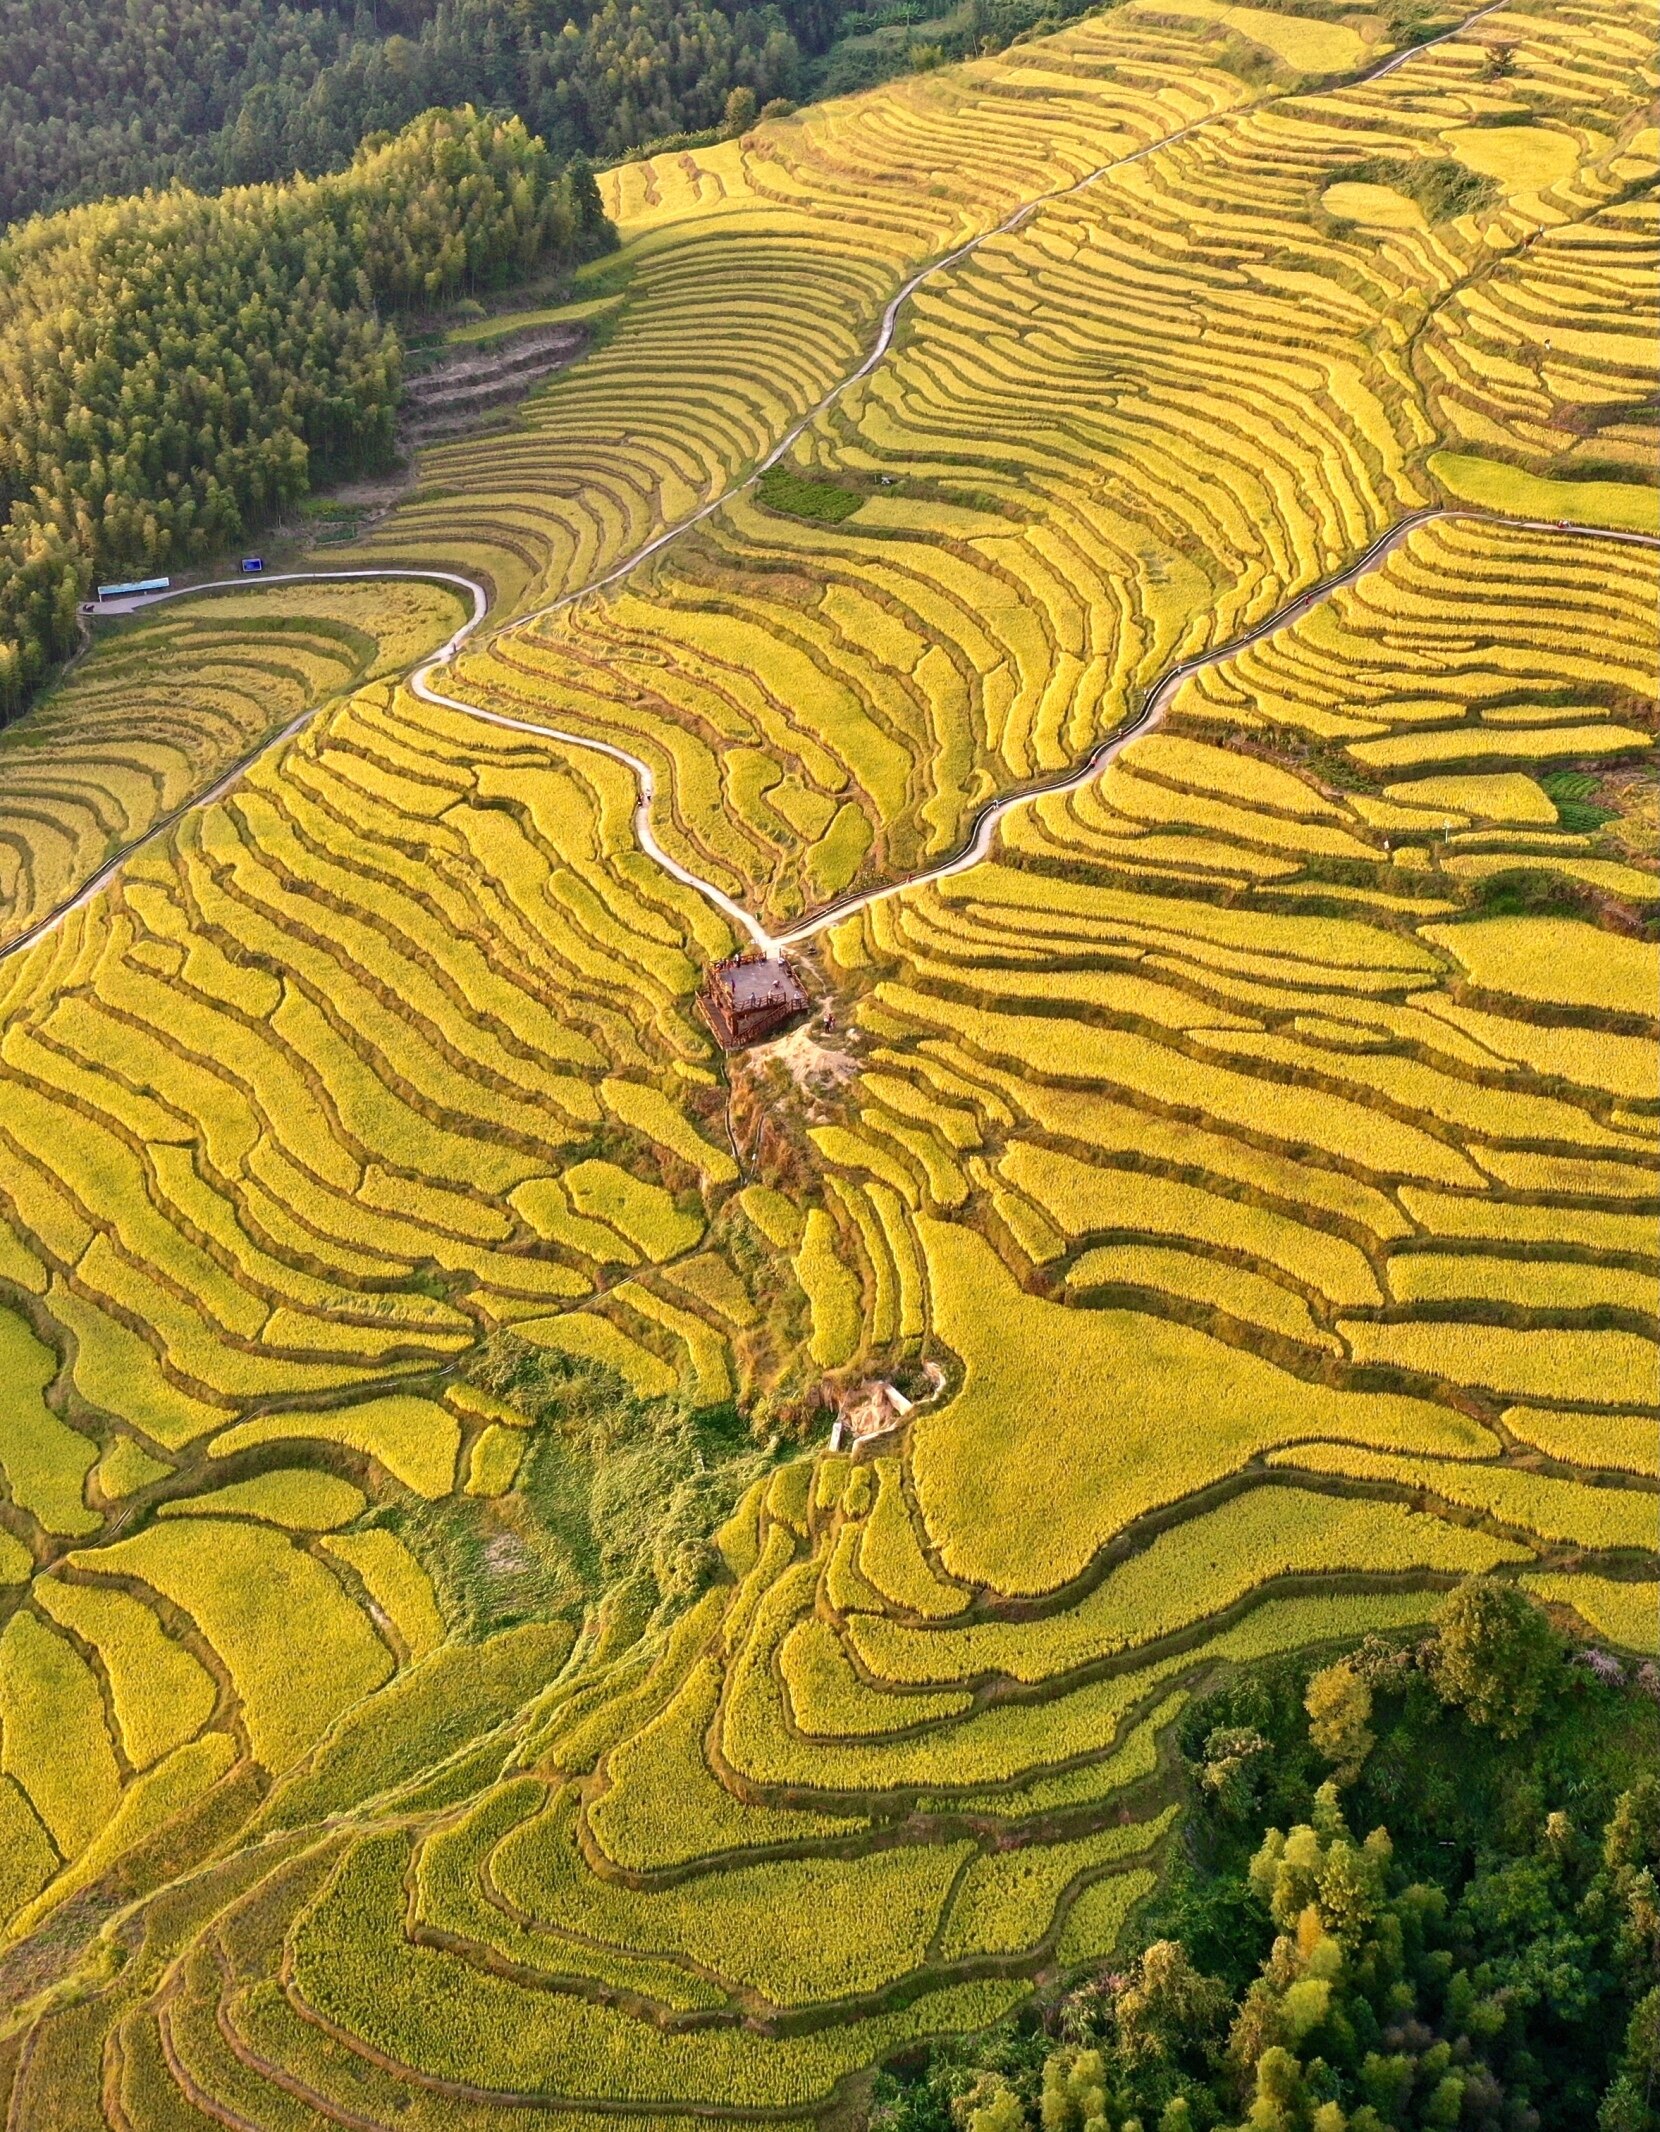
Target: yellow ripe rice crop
1533 1502
1504 797
1497 486
228 1577
664 1758
832 1289
643 1213
1621 1065
1632 883
1224 1287
1200 1568
1253 783
651 1113
1610 1369
1372 206
160 1693
145 1807
1470 1215
397 1584
44 1461
1080 1052
295 1497
1525 1284
829 1700
592 1338
890 1553
414 1439
482 1696
778 1221
1625 1613
1558 961
1310 47
494 1463
1076 1412
1625 1443
52 1738
1008 1900
27 1857
1479 744
1086 1200
170 701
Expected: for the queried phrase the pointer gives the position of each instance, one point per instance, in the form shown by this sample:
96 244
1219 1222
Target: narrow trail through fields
244 763
985 823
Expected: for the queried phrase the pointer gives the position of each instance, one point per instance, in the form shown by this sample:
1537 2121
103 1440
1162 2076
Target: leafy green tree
1494 1656
1632 2104
97 100
176 369
1488 1960
1074 2092
991 2105
1339 1706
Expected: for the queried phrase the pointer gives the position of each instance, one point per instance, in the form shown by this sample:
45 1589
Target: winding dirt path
985 823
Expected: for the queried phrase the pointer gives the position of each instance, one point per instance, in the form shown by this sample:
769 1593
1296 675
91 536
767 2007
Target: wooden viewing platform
750 997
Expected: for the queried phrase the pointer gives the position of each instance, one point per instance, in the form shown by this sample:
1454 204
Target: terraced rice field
153 716
1258 1142
1127 429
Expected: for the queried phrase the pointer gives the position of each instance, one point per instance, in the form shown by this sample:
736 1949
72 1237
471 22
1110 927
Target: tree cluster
175 369
1487 1959
97 101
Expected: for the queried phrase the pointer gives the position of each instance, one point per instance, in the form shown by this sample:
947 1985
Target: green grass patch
1442 187
1571 791
479 330
611 1489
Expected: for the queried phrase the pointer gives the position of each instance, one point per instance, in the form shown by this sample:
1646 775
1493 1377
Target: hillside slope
99 101
437 1686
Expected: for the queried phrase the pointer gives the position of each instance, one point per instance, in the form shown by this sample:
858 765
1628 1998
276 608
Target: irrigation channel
985 823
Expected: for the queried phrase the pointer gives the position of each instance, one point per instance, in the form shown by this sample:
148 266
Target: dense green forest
97 100
175 369
1416 1891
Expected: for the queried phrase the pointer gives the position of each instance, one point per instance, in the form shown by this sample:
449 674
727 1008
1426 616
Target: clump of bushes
1483 1960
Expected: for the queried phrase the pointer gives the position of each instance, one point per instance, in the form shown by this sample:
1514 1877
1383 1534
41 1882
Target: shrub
1495 1656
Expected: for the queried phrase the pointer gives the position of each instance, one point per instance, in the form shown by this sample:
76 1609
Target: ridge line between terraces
986 820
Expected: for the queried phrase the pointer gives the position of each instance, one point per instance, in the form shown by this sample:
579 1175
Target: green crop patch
795 496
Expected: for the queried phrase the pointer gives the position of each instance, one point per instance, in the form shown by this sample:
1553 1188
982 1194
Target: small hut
872 1410
750 997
